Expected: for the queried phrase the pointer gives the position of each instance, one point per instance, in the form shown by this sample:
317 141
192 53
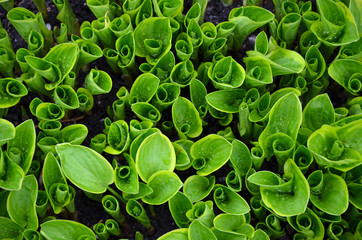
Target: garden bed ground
90 212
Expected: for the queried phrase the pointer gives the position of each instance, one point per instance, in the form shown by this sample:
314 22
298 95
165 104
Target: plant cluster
181 75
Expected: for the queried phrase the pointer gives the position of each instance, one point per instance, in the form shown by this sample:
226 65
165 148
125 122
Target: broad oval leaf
165 185
186 118
66 229
229 201
85 168
21 204
210 153
155 154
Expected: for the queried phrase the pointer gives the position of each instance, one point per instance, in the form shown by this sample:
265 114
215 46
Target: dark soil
90 212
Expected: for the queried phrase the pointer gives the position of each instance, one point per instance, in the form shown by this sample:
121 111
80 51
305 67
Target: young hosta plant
96 172
164 185
308 225
143 89
153 38
118 138
179 204
55 184
348 73
319 111
203 212
258 72
186 118
98 82
229 201
234 224
11 91
21 148
247 20
285 198
7 61
25 21
337 147
210 153
25 200
227 101
183 73
282 61
337 25
126 178
56 65
155 154
329 192
198 187
198 231
227 74
279 136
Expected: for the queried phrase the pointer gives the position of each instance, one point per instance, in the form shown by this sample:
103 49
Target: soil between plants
90 212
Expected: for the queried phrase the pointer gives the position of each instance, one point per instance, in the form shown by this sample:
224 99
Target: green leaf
24 144
337 147
146 112
155 154
186 118
179 204
55 184
198 231
11 174
118 138
319 111
153 38
240 157
198 187
198 93
143 88
258 72
247 20
348 73
281 132
329 192
227 74
203 212
315 64
24 21
182 73
227 101
49 111
126 178
66 97
11 92
178 234
7 131
337 26
229 201
98 82
10 230
25 200
165 185
210 153
288 28
166 95
284 198
65 229
85 168
235 224
308 224
136 210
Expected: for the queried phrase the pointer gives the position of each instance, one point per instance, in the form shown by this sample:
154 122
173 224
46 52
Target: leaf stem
117 195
